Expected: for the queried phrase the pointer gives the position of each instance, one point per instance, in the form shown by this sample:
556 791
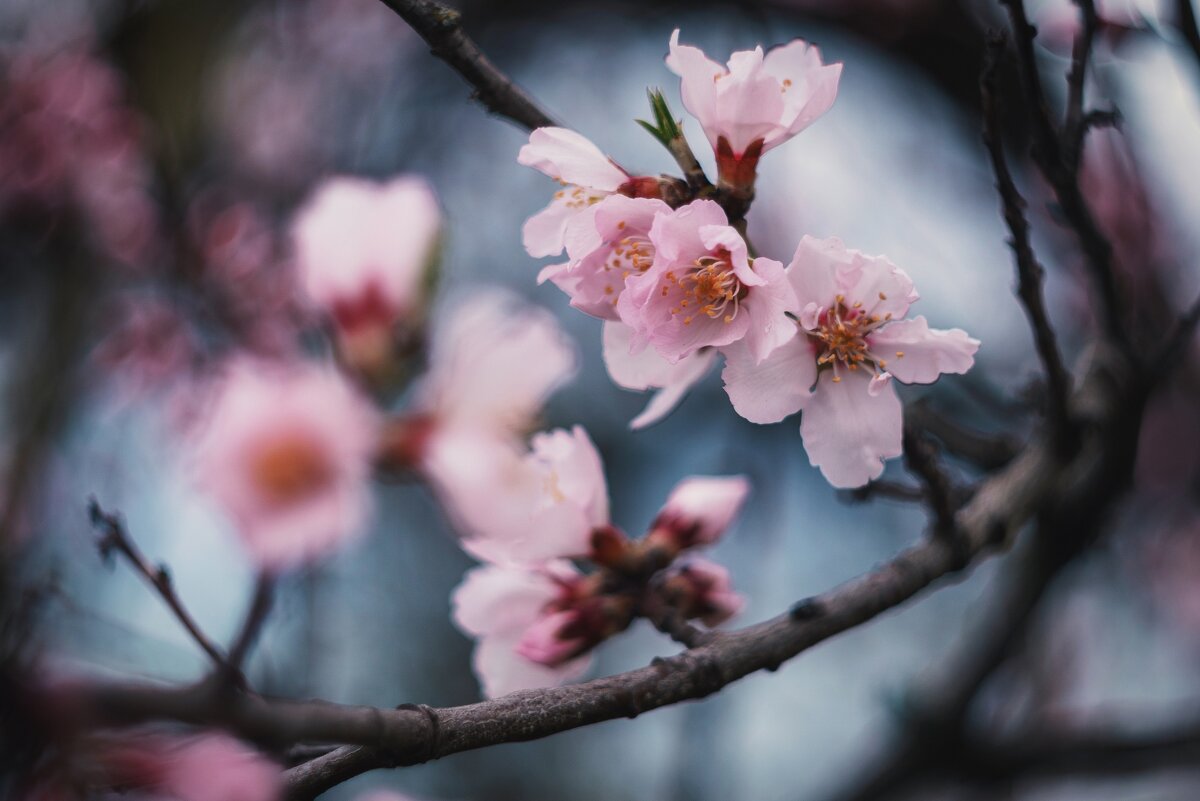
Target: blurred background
153 152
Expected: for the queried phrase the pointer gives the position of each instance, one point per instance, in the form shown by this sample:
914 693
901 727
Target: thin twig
441 28
921 458
984 450
115 538
1188 27
1075 122
1049 154
260 607
883 489
1029 271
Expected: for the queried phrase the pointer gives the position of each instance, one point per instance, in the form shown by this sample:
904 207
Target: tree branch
115 538
441 28
1029 271
1050 155
1188 27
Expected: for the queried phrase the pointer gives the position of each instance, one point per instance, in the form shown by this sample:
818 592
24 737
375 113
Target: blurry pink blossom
206 767
849 341
587 176
649 370
149 345
287 452
699 510
517 612
541 506
494 362
703 291
754 103
606 243
69 140
702 589
364 251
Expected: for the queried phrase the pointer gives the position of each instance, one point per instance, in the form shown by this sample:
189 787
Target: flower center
578 197
710 288
287 468
632 253
841 334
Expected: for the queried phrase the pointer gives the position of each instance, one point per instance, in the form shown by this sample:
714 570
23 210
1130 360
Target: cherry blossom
541 506
849 341
363 251
754 103
648 370
287 451
587 176
206 767
699 510
702 589
606 243
518 616
702 289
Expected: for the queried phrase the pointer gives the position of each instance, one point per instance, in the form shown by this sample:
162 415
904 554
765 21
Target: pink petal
927 352
848 432
500 599
766 305
575 471
647 370
544 233
501 670
572 158
709 503
813 86
698 85
780 385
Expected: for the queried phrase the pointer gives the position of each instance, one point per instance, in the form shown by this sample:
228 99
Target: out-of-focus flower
754 103
606 243
149 346
364 251
242 267
698 511
703 291
587 175
68 140
849 341
207 767
1059 22
702 589
287 452
649 370
516 613
540 506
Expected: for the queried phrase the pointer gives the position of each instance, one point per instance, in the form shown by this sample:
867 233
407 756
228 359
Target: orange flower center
290 467
709 289
841 335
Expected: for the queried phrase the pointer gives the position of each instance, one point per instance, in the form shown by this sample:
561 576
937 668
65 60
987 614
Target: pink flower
850 340
607 243
703 589
541 506
216 767
703 291
756 102
699 510
363 250
587 175
648 370
288 453
500 606
493 365
207 767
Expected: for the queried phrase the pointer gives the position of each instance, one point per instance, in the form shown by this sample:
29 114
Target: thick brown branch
441 28
116 539
1029 271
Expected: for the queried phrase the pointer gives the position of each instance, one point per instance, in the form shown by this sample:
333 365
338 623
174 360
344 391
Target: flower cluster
537 615
676 282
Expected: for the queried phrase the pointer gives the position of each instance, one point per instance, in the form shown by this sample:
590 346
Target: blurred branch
921 458
1075 123
115 538
1052 155
1188 26
883 489
1177 341
1029 271
1001 506
986 451
441 28
260 607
